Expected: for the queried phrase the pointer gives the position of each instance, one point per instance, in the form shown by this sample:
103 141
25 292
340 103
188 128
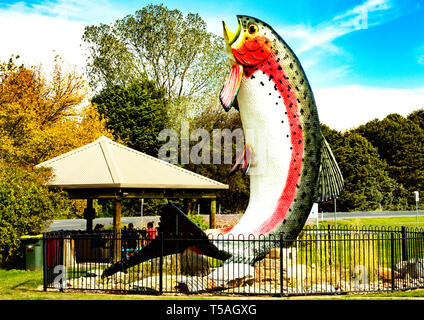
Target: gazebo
106 169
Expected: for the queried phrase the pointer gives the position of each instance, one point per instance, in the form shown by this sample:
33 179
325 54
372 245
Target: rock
267 269
169 283
273 254
322 288
296 273
385 274
414 268
194 264
142 290
233 275
195 284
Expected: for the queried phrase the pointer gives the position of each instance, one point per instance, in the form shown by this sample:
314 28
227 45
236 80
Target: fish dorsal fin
330 178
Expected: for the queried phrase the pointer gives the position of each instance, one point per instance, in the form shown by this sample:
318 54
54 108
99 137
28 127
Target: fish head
251 44
247 47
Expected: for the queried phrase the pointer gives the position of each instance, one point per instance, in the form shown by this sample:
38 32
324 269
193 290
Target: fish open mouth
229 36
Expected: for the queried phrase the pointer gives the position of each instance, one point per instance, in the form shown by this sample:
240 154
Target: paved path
80 224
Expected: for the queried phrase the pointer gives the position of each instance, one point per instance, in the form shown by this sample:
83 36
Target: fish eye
253 29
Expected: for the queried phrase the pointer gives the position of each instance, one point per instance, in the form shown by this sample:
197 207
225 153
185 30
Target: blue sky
364 59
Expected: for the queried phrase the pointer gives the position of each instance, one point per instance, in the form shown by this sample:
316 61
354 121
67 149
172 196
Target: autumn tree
42 117
175 51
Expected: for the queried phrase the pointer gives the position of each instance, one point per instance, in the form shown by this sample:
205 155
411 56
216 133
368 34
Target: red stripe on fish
278 76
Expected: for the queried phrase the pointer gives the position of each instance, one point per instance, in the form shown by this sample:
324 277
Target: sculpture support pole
117 230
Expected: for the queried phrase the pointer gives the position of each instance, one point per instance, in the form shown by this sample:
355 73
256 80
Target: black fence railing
320 261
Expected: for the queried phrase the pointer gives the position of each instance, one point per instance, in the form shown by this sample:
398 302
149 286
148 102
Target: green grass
27 285
410 222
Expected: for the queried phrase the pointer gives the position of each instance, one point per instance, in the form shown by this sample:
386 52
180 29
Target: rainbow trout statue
289 162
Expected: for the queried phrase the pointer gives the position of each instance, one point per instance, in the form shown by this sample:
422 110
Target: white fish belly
266 129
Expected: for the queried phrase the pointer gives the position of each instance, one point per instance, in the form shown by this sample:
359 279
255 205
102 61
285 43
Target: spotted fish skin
294 165
275 93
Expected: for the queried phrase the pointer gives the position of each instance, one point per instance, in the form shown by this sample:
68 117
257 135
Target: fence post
392 256
281 264
44 262
404 247
161 265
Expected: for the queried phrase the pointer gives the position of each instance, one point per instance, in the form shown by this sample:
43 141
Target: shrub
26 205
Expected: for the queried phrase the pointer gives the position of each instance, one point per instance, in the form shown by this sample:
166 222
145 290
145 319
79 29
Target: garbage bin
33 252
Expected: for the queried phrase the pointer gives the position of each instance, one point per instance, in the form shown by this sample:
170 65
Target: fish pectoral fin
239 161
229 91
245 159
330 179
248 158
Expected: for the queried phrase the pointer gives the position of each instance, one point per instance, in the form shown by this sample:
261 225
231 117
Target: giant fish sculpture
289 162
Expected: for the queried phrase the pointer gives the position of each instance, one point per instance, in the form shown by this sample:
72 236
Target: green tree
136 114
400 142
25 207
368 186
417 117
173 50
211 118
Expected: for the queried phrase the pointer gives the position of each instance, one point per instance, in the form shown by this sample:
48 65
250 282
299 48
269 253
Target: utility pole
417 196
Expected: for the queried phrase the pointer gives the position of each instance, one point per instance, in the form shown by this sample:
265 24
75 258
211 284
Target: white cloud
39 32
38 39
343 108
314 41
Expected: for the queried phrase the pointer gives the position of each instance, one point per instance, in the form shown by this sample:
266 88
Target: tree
400 142
368 186
173 50
25 207
417 117
135 113
214 118
40 118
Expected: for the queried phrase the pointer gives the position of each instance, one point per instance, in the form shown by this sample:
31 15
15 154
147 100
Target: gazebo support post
117 230
212 215
89 214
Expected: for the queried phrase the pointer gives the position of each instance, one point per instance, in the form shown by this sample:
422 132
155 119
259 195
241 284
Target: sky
364 59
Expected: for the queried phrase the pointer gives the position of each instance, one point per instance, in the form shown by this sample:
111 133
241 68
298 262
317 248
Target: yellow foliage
40 118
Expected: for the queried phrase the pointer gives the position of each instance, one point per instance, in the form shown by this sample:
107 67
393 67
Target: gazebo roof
110 165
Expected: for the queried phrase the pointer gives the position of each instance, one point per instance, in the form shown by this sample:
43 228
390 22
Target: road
80 224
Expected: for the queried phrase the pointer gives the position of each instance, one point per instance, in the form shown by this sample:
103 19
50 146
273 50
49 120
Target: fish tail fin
330 179
174 226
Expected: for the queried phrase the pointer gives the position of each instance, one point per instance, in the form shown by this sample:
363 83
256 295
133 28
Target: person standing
151 232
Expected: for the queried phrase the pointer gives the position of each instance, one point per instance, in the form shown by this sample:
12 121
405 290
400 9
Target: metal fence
320 261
